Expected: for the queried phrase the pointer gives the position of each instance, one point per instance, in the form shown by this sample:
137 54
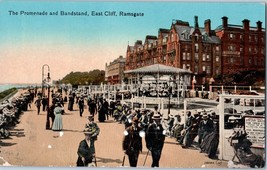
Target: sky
85 43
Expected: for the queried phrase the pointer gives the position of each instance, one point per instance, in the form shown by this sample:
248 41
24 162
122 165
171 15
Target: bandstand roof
159 68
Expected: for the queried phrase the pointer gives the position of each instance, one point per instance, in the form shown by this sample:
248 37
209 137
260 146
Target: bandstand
159 77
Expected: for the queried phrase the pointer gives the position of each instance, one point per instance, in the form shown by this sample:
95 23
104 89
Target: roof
159 68
180 29
220 27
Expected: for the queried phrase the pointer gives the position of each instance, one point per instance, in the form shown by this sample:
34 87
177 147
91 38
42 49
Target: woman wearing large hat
86 150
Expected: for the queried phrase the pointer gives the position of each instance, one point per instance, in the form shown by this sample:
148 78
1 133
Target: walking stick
146 158
95 161
123 159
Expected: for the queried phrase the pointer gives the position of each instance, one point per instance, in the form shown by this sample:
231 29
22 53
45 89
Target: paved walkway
31 144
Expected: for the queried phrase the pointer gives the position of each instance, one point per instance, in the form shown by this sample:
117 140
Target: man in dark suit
132 142
155 136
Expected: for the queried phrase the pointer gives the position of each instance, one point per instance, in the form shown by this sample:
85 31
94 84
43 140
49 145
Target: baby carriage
241 146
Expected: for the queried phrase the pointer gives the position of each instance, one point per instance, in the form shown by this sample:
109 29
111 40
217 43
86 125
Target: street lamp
46 81
169 104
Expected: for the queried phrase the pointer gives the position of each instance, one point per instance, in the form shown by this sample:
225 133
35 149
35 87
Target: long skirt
210 144
58 125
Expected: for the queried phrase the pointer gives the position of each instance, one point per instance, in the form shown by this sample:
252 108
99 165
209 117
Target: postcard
144 84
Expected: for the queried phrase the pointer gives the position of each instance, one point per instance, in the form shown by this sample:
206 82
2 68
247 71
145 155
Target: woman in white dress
57 125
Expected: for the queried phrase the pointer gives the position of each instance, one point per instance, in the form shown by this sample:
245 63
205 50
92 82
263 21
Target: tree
77 78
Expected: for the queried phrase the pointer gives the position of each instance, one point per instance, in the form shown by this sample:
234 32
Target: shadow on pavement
17 134
3 144
107 121
108 160
68 130
66 113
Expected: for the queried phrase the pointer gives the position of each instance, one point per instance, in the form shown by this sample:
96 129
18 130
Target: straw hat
205 116
90 117
156 116
88 131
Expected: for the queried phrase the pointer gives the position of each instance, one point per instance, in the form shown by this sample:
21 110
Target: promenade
30 144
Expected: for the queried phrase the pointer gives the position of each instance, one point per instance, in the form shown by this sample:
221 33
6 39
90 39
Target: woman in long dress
57 125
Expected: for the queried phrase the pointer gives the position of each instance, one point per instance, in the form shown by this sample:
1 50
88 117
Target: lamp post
45 81
169 104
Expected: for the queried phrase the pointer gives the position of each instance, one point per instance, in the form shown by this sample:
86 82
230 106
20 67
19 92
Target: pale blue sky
80 43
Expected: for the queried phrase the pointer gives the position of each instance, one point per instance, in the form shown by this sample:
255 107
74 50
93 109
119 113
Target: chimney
207 26
246 24
225 22
259 27
196 21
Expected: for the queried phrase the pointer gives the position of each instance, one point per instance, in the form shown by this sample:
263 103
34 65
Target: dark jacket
132 142
85 151
155 137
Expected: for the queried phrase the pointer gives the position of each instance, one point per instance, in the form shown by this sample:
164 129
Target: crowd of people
10 111
148 122
200 129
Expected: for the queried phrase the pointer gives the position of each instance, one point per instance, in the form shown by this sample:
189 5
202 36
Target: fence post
221 130
132 101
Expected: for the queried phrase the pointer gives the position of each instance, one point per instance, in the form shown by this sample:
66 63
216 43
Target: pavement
30 144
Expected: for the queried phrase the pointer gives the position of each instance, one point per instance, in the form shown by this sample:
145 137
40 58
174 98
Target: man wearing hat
132 142
86 150
144 120
81 105
38 104
155 139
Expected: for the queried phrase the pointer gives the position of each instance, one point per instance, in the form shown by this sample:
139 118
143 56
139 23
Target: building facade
243 46
114 71
207 53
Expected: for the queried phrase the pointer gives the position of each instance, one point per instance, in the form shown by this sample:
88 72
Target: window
184 66
241 49
231 36
196 37
196 47
217 48
249 49
231 48
208 57
217 71
184 57
249 61
196 69
188 56
241 37
217 58
188 66
203 68
249 38
208 70
204 57
164 40
231 60
196 57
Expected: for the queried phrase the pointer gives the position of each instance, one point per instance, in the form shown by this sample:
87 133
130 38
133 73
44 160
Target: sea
4 87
